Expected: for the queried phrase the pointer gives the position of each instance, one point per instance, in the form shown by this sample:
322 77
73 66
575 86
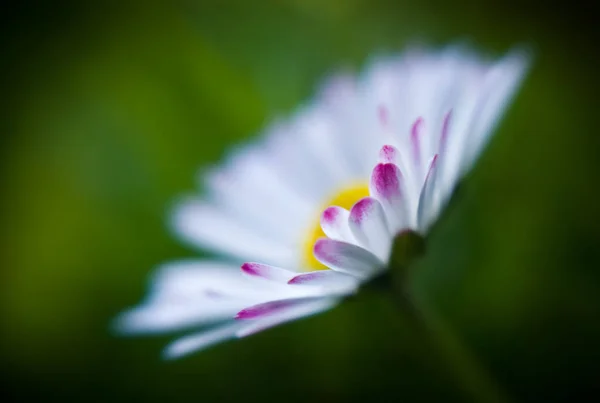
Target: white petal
501 82
190 279
192 293
324 140
267 272
368 224
293 312
270 308
475 114
387 186
199 341
260 185
245 199
429 201
334 222
208 226
347 258
167 317
294 159
389 154
327 282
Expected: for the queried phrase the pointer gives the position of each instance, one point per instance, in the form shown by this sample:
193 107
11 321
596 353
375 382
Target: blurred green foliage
110 108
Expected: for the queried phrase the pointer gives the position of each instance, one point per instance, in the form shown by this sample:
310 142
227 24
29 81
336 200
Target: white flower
384 150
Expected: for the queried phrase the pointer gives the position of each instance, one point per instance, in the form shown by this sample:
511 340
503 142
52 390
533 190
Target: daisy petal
330 281
160 317
428 200
295 311
386 186
334 223
208 226
415 141
199 341
187 293
193 293
268 308
388 154
500 84
346 258
368 224
267 272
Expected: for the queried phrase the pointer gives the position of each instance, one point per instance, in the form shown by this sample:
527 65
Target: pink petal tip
388 154
386 179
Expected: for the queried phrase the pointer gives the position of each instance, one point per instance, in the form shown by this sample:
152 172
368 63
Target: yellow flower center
345 198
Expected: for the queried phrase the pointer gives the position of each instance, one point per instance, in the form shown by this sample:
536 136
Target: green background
109 109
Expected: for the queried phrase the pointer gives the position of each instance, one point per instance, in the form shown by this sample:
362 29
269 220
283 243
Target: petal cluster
227 302
359 240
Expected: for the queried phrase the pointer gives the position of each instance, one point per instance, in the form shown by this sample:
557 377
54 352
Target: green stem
461 364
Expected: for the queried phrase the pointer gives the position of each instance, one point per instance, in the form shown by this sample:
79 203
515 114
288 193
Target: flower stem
461 364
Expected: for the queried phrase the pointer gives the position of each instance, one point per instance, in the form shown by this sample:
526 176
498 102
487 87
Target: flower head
323 194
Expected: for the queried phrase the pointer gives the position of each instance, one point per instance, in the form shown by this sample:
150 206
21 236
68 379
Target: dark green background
109 108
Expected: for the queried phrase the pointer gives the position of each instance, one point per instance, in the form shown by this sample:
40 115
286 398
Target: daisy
324 193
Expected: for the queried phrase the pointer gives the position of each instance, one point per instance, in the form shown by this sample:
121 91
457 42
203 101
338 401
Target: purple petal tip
330 214
388 153
361 209
386 179
267 308
323 252
252 269
305 278
416 127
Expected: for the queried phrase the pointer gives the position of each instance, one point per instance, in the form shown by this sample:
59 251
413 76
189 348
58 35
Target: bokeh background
108 110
